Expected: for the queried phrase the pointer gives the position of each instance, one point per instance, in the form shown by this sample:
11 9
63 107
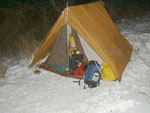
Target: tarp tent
93 23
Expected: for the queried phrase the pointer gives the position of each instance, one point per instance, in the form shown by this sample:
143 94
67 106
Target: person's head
72 41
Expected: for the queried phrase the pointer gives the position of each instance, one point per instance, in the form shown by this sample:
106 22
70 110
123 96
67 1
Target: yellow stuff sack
107 73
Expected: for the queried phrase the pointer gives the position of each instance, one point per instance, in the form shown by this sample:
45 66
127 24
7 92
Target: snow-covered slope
24 92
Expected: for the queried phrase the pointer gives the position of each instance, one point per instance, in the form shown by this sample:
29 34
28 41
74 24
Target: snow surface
24 92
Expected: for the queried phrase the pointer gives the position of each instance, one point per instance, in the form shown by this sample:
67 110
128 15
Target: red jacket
80 70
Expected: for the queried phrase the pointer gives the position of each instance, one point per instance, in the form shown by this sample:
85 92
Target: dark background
24 23
14 3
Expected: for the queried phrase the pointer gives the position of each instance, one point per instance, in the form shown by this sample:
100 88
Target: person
75 56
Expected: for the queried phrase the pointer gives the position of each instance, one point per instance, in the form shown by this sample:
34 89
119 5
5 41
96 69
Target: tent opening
60 61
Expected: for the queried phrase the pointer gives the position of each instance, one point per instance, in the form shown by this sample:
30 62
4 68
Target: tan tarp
94 24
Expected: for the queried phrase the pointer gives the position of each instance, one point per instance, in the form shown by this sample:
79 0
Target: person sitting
75 56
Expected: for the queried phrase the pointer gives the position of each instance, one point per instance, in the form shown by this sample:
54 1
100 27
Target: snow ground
24 92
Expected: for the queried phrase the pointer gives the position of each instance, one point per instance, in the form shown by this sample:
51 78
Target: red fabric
80 70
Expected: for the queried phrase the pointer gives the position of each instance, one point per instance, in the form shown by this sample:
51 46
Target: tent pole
68 37
66 13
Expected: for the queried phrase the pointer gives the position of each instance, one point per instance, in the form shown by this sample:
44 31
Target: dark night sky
13 3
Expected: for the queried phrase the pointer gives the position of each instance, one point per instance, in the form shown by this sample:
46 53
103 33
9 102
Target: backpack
92 74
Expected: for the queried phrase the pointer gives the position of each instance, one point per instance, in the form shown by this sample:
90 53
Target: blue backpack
92 74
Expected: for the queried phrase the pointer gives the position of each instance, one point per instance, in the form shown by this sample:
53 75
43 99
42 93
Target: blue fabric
90 70
61 69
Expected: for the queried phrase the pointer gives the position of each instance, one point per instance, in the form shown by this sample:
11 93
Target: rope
68 38
136 54
144 61
45 37
55 7
119 19
113 11
51 27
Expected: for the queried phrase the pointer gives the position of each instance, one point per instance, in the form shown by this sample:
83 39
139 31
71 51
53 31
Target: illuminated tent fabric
94 24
